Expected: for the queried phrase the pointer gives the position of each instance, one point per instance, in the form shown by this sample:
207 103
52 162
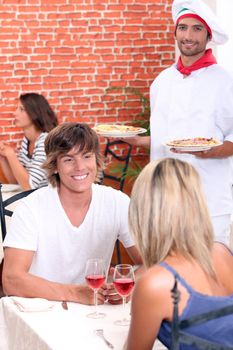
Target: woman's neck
31 133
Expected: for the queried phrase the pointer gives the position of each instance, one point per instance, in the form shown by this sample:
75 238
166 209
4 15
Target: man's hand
85 295
111 295
110 292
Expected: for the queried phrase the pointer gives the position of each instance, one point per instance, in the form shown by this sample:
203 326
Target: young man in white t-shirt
56 229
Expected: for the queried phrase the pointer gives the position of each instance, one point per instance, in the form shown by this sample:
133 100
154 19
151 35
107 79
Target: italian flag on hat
197 8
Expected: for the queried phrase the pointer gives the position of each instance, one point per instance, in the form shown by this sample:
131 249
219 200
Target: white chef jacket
200 105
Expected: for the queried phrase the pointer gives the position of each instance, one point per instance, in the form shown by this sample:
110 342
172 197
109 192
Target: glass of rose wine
123 280
95 278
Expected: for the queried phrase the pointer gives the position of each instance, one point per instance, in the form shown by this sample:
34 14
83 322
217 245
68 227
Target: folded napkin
32 304
11 188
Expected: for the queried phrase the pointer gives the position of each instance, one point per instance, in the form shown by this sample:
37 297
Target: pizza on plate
114 128
194 142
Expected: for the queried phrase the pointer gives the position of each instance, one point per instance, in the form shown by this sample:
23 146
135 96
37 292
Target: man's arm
17 280
137 259
134 255
143 141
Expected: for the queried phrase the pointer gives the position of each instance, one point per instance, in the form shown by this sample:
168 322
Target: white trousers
222 228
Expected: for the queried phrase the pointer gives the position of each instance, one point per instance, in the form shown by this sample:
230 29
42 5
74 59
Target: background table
60 329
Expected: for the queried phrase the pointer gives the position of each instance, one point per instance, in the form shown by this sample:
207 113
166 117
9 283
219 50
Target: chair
121 178
5 203
179 336
6 212
123 159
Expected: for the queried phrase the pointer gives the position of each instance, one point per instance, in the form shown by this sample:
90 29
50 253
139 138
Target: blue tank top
217 330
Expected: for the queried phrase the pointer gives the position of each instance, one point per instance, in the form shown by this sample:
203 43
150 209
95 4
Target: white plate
192 148
118 134
10 188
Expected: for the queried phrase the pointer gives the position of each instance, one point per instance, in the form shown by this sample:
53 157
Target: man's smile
80 177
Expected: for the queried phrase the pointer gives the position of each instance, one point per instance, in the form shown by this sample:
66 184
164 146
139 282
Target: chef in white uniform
194 98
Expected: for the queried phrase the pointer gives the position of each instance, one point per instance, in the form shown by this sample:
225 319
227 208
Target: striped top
37 176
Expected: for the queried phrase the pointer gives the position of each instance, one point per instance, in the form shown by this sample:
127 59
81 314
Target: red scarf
206 60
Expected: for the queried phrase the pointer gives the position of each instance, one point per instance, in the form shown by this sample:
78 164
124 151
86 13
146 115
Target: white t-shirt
61 250
200 105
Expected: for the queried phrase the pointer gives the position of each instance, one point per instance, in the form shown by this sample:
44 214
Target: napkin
11 188
32 304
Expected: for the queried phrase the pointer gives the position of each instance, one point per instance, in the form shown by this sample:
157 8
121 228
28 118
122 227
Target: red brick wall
73 50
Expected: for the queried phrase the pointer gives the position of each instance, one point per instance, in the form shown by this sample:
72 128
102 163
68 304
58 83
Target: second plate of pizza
115 130
196 144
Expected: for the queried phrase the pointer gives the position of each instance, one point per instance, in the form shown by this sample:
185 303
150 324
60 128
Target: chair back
7 212
179 336
123 159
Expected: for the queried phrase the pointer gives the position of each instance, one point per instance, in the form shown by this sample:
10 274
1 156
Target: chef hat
199 10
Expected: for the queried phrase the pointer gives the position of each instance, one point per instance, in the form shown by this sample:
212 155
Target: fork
100 333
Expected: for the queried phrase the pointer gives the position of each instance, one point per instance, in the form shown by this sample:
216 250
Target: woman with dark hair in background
36 117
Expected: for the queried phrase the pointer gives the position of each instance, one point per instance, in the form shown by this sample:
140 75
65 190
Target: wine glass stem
124 299
95 299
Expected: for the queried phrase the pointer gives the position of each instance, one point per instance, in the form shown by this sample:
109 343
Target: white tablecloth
60 329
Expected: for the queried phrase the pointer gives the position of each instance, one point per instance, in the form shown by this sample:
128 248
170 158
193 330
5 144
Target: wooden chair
179 336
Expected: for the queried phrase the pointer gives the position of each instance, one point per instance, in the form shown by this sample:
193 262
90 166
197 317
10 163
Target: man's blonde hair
168 213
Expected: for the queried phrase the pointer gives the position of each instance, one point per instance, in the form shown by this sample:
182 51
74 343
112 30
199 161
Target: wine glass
95 277
123 280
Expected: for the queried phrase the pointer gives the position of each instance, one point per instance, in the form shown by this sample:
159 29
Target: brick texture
76 51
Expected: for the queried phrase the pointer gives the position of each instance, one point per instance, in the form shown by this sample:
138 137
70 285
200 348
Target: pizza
115 128
194 142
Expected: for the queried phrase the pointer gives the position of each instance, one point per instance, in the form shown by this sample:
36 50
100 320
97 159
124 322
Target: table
60 329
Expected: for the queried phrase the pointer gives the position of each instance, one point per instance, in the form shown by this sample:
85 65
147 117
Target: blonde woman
172 228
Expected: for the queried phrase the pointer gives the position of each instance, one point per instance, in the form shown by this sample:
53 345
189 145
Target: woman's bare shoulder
154 289
156 281
223 264
220 250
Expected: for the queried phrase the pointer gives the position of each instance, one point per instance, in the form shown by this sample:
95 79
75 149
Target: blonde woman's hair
168 214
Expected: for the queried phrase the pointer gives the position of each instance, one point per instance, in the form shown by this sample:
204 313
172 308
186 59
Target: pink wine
124 285
95 281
